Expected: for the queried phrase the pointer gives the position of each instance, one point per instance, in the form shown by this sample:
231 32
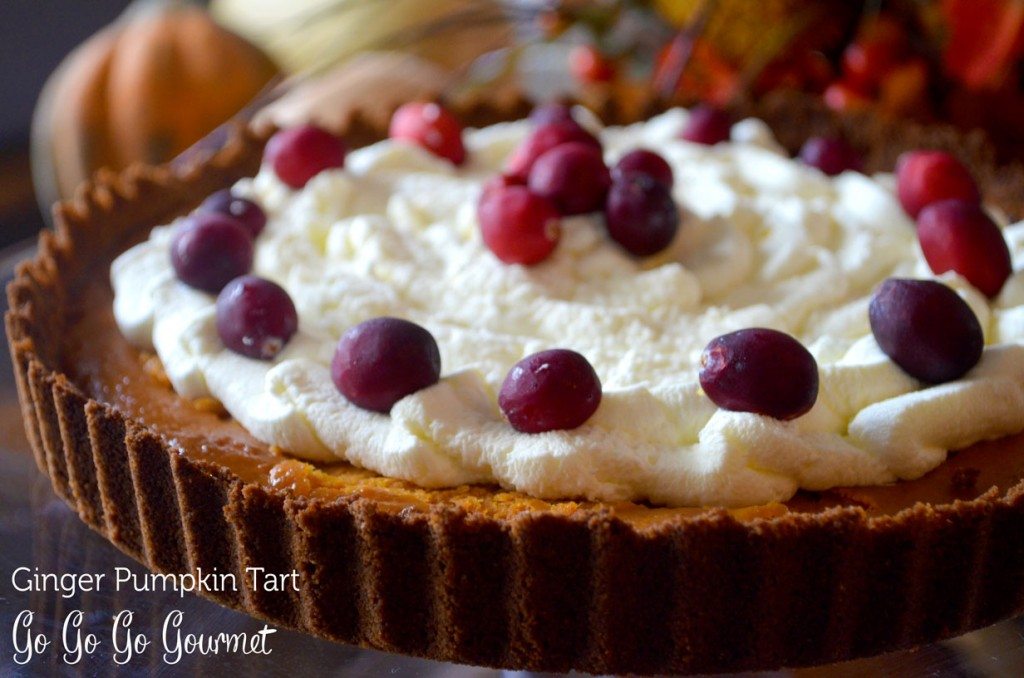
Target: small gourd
141 90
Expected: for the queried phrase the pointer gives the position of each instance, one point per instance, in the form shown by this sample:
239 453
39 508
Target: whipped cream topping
765 241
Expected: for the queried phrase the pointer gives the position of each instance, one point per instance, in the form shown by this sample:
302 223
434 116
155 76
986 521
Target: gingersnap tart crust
475 574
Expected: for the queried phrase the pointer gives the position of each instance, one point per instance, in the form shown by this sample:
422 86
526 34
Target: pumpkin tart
477 574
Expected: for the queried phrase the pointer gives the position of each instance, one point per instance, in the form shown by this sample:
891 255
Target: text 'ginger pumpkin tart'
472 573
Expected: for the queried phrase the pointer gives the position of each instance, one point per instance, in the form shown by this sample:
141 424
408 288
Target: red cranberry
518 226
707 125
926 328
300 153
549 391
641 215
642 161
865 62
924 177
959 236
761 371
587 64
831 155
573 176
501 181
255 317
380 361
549 113
431 126
211 249
542 139
246 211
843 95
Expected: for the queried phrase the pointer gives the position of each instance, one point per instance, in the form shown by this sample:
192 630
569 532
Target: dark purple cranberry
958 236
298 154
761 371
641 215
541 140
831 155
246 211
211 249
549 391
548 113
707 125
926 328
642 161
255 317
573 176
380 361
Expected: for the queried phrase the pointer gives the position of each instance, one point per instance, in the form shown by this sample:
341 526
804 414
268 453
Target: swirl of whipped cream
766 241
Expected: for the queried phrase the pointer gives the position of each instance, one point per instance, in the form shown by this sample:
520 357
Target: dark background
34 36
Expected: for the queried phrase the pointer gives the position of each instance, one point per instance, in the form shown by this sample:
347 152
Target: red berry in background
760 370
707 125
573 176
380 361
542 139
831 155
211 249
642 161
255 317
553 112
587 64
866 62
959 236
245 211
300 153
924 177
641 215
518 226
552 390
843 96
431 126
926 329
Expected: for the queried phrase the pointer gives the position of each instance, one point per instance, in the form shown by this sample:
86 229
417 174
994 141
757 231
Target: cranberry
641 215
501 181
587 64
865 62
549 391
843 96
255 317
573 176
380 361
761 371
642 161
549 113
924 177
246 211
542 139
518 226
300 153
831 155
959 236
431 126
211 249
707 125
926 328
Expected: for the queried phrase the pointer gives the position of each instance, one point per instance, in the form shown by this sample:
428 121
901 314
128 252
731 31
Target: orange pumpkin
141 90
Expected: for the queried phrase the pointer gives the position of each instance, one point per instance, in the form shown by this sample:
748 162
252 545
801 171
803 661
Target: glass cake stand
37 530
